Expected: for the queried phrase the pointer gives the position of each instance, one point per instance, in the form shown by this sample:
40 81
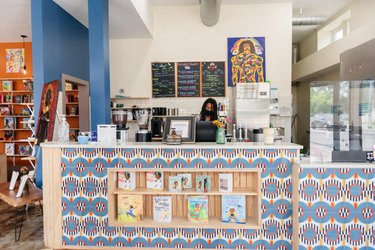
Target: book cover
7 85
162 209
226 182
18 99
25 122
25 111
203 183
5 110
198 209
24 150
9 148
10 122
233 209
185 181
8 135
126 180
129 208
9 98
154 180
174 183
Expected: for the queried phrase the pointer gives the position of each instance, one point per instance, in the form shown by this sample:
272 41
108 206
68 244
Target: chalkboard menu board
188 79
163 80
213 79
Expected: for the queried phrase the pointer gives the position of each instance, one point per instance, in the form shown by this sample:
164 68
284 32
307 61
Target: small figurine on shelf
173 138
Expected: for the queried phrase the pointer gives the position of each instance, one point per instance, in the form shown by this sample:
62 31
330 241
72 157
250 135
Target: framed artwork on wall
246 60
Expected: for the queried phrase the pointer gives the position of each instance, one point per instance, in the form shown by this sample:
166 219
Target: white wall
361 30
179 35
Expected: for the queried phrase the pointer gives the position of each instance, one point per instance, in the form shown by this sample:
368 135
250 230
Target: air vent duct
313 20
210 11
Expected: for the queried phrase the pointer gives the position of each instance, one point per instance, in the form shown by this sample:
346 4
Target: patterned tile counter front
336 206
76 197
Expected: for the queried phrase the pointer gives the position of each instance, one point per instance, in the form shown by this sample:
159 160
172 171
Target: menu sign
188 79
163 80
213 79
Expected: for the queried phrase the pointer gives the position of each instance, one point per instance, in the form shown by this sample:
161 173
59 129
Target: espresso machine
142 115
119 118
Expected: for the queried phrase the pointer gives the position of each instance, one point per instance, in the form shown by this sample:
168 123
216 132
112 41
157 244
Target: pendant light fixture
24 54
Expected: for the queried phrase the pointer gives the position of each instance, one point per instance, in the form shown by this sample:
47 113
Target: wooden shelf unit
246 182
18 99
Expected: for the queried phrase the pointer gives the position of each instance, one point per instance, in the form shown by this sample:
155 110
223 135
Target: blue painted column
99 62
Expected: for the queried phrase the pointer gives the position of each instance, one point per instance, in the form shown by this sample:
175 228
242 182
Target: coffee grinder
142 115
119 118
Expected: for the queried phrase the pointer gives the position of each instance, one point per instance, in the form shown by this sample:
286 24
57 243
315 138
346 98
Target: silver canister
258 135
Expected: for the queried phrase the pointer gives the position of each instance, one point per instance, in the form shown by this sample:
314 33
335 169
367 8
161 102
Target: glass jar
220 136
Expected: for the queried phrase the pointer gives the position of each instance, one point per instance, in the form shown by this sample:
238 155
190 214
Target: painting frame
47 112
246 60
186 123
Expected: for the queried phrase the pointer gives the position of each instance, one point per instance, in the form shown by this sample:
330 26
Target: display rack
17 120
247 183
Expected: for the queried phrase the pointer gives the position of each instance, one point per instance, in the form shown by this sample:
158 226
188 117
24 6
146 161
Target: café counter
81 195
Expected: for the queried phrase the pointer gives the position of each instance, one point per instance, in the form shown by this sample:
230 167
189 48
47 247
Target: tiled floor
32 229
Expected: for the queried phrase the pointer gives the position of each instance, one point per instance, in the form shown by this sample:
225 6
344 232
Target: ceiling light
24 54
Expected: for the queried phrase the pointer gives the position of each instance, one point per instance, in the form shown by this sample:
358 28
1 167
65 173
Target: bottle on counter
63 133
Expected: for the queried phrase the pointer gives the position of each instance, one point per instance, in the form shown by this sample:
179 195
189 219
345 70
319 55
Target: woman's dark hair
203 112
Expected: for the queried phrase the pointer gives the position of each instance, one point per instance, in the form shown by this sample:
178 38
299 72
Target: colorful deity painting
14 60
246 60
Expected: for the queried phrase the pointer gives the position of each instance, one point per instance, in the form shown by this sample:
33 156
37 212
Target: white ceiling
15 18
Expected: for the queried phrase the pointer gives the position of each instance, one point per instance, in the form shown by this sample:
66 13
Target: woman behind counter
209 110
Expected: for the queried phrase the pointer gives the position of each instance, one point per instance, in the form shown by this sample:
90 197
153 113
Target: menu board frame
199 87
169 80
218 69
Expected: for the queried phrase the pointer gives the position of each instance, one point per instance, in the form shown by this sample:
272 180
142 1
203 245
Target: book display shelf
16 120
246 183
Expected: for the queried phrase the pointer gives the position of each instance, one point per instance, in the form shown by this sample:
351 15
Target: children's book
203 183
174 183
9 148
24 150
226 182
9 98
198 209
7 85
185 181
9 122
8 135
25 122
233 209
162 208
130 208
126 180
18 99
154 180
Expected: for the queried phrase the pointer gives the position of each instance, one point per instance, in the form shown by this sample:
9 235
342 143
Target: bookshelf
16 120
75 104
246 182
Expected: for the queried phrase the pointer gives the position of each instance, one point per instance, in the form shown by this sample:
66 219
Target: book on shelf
226 182
9 148
18 99
198 208
233 209
8 135
162 208
154 180
25 99
126 180
68 86
7 85
174 183
24 150
130 208
25 111
185 181
5 110
203 183
9 98
25 121
10 122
